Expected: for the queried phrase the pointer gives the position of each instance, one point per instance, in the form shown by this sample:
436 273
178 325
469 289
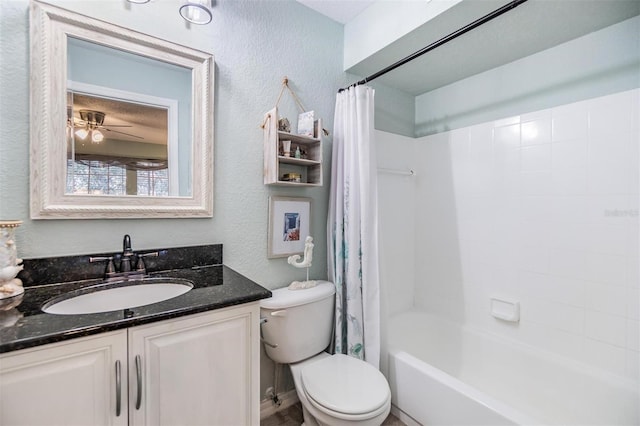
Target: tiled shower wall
540 208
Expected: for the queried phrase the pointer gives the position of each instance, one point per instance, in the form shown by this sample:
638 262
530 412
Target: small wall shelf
277 166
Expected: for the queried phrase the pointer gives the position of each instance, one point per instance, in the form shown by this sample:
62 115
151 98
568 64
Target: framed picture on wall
289 225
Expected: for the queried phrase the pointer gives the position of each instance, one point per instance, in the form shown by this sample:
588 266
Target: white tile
605 298
532 284
633 271
633 335
569 123
633 303
611 329
536 208
535 132
570 154
567 290
507 137
481 150
533 259
480 132
462 175
553 340
611 209
606 268
633 240
605 356
501 281
553 314
571 236
483 179
608 180
609 150
611 113
534 234
506 167
459 143
633 365
535 158
634 174
568 263
570 209
570 181
609 239
536 183
553 289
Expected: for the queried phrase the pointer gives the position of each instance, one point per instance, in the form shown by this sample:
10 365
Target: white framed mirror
121 122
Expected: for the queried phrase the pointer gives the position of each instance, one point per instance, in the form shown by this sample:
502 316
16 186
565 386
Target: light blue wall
255 44
600 63
394 110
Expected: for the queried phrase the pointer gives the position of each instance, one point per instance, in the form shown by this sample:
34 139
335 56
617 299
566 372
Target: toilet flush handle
282 313
263 320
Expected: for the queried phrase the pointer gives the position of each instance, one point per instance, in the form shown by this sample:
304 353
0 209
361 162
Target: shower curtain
352 227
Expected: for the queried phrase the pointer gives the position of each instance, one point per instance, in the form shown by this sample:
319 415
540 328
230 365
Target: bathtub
442 373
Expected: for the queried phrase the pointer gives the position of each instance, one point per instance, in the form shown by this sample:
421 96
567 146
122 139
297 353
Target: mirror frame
50 26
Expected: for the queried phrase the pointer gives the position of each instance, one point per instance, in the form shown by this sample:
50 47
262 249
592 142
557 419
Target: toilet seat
345 387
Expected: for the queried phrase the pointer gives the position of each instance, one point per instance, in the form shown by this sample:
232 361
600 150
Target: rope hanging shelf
290 158
296 99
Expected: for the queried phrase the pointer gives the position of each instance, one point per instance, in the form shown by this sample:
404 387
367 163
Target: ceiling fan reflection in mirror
91 125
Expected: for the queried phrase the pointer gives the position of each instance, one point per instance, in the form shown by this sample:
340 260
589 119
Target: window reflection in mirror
117 148
129 123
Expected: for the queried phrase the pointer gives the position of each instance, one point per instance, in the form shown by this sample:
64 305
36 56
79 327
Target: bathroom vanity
192 359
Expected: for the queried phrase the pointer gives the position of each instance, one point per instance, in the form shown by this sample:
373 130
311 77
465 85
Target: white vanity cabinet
197 369
68 383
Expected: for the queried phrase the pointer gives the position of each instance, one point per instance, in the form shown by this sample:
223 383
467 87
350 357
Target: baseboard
403 417
268 408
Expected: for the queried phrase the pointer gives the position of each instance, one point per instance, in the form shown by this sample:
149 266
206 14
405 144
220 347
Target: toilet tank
299 322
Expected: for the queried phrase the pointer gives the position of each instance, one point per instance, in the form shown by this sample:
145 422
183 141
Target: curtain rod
486 18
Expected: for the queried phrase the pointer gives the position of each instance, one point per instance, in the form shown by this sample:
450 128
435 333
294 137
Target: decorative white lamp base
10 264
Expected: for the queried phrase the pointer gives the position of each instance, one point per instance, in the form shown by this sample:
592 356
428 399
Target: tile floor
292 416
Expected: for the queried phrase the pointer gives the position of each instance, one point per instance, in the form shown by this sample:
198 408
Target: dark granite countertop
215 286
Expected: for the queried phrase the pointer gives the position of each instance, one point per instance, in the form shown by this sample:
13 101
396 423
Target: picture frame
289 225
305 124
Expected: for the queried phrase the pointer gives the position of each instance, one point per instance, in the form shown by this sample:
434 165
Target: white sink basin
117 296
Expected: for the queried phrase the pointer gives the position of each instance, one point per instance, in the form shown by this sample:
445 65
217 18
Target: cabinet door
200 370
67 383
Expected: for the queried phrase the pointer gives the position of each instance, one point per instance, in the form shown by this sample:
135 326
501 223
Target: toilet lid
346 385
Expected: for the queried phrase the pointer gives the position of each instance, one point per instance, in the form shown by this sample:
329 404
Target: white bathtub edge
403 417
491 404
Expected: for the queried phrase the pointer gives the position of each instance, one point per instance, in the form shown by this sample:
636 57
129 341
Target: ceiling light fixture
196 11
82 133
96 136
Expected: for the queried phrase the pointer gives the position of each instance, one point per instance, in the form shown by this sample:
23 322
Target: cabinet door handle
118 388
139 381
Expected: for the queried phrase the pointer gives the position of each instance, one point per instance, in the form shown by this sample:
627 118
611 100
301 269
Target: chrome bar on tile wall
457 33
409 172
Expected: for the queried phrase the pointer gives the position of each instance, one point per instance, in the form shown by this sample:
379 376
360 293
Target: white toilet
336 389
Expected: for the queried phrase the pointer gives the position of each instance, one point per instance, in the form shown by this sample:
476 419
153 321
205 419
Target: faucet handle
140 266
111 269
